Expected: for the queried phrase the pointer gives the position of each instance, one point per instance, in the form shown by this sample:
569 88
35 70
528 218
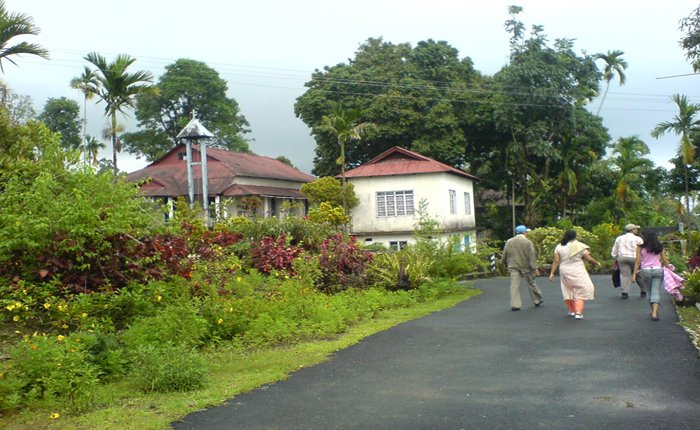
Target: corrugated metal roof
169 173
400 161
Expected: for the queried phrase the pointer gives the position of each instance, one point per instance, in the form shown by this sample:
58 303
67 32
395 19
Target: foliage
16 24
53 369
690 25
329 190
175 325
187 87
167 368
272 254
62 116
114 85
342 262
62 220
324 213
691 292
546 239
420 98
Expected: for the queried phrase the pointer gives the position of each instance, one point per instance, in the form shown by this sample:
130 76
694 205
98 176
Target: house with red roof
394 185
238 183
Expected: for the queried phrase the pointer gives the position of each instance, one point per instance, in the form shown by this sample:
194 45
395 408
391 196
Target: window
394 203
398 245
453 202
467 204
182 156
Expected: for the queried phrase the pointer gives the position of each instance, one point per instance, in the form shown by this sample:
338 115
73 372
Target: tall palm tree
118 89
343 124
614 65
87 84
13 24
630 162
684 124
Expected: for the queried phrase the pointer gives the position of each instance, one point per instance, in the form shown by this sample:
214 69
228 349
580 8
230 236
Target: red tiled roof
399 161
169 173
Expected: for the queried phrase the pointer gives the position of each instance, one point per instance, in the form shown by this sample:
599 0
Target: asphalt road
481 366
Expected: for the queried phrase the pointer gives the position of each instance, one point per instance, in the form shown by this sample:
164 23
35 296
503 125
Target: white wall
433 187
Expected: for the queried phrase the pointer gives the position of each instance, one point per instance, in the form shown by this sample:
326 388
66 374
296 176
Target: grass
232 372
689 317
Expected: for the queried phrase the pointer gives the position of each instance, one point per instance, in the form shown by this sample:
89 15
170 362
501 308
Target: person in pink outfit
576 284
648 269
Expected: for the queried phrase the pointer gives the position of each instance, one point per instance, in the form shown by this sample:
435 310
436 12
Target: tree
91 149
615 65
61 115
423 98
691 42
686 125
87 84
13 24
185 87
540 94
118 89
329 190
630 164
345 126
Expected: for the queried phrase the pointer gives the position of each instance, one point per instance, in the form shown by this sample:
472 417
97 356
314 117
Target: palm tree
118 89
342 123
14 24
87 84
685 125
91 148
630 162
614 65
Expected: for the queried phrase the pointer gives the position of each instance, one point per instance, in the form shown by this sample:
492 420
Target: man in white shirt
624 252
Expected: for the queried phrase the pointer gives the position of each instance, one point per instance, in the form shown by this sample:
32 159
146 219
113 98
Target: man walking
624 251
520 259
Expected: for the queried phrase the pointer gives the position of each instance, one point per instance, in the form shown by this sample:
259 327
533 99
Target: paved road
480 366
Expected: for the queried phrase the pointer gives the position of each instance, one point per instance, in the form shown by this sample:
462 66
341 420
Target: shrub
166 368
691 292
175 325
54 369
274 254
342 262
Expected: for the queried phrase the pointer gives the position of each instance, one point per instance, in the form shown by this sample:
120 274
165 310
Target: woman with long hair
648 269
576 284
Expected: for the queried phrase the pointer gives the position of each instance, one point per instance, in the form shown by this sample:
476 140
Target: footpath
481 366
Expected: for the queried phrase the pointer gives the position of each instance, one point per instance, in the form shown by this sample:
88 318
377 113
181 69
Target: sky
267 49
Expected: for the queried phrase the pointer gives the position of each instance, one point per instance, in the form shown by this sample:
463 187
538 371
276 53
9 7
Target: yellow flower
62 308
55 416
219 321
15 318
64 326
158 298
84 315
2 375
47 305
10 307
78 340
60 337
239 279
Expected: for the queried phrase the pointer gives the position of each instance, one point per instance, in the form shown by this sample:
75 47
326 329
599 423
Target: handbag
616 276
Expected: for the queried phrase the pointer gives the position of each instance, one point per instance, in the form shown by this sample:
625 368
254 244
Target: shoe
655 318
537 304
625 296
643 294
578 316
514 309
571 314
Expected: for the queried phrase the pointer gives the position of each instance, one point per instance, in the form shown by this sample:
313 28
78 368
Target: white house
390 188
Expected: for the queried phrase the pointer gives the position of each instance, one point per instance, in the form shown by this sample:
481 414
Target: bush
691 292
54 369
175 325
166 368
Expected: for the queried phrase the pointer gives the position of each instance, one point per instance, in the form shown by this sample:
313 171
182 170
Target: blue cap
521 229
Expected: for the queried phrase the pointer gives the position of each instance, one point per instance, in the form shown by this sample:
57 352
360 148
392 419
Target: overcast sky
267 49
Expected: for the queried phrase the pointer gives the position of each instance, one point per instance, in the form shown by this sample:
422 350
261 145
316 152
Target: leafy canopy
186 87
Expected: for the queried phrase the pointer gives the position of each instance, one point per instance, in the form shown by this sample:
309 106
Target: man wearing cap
624 251
519 256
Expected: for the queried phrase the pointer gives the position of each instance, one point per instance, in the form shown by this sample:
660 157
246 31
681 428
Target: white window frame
453 202
467 203
394 203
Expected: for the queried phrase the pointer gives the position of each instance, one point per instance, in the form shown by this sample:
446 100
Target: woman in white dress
576 284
